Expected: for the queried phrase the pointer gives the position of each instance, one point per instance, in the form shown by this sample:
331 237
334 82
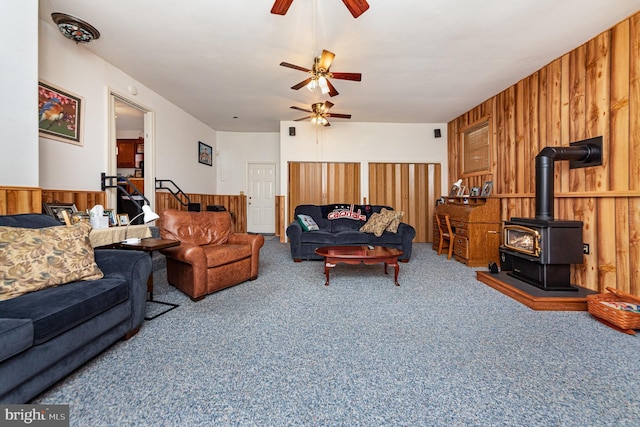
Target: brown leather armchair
210 257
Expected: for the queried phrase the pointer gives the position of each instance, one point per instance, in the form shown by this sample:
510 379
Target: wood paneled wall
16 200
82 199
19 200
235 204
321 183
591 91
280 224
408 187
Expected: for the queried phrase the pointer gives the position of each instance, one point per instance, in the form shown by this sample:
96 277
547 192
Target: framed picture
111 214
59 114
60 211
123 219
486 188
205 154
79 217
474 192
454 190
461 190
137 173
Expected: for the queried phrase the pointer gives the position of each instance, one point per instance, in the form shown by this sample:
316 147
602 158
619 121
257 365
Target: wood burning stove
540 250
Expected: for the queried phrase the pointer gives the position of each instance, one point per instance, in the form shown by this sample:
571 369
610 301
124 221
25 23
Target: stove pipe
545 161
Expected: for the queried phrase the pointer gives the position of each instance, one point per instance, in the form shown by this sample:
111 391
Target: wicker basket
627 321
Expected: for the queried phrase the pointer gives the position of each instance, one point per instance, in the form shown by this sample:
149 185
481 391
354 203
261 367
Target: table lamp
149 216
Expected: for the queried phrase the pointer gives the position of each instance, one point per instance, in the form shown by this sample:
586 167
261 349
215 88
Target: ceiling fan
320 112
320 74
356 7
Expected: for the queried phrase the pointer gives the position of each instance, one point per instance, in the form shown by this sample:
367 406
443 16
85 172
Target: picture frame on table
60 114
205 154
454 190
111 214
123 219
461 190
474 192
60 211
486 189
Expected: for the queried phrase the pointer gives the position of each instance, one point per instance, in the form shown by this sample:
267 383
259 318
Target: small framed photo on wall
205 154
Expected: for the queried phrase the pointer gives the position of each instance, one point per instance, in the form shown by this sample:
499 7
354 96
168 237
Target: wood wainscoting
235 204
83 199
19 200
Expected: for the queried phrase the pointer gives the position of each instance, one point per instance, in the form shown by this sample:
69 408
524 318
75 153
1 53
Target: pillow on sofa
395 222
378 222
307 223
32 259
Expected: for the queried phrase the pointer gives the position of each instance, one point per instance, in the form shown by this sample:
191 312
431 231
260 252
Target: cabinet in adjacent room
130 152
476 226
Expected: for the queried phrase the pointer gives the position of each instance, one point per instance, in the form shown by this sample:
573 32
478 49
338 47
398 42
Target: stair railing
118 183
175 191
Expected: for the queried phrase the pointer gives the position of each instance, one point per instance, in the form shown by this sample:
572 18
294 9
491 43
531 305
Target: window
475 151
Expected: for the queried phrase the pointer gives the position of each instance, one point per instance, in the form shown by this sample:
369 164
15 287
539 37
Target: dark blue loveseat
339 224
47 334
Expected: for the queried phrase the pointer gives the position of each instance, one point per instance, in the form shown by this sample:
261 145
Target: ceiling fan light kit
320 113
319 73
74 28
356 7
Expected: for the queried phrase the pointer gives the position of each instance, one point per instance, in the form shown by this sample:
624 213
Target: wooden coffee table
359 254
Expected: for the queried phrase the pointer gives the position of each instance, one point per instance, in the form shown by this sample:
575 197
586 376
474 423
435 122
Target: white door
261 198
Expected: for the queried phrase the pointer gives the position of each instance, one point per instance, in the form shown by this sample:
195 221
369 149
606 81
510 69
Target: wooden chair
446 234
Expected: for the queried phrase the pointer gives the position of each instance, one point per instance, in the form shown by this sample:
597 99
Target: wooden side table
149 245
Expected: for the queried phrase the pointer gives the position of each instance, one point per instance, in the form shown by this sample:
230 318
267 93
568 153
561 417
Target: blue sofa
339 224
47 334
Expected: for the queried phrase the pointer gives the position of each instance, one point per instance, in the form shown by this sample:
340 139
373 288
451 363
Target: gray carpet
440 350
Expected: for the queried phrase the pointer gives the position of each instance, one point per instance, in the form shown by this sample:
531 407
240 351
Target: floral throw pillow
395 222
32 259
376 224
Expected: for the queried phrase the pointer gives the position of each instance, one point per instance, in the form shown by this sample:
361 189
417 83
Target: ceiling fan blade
326 59
356 7
280 7
332 89
301 84
340 116
303 118
327 105
295 67
356 77
301 109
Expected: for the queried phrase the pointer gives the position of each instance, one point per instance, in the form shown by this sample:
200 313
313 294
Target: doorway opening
131 144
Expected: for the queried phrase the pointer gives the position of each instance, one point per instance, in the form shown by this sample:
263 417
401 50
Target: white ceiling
422 61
